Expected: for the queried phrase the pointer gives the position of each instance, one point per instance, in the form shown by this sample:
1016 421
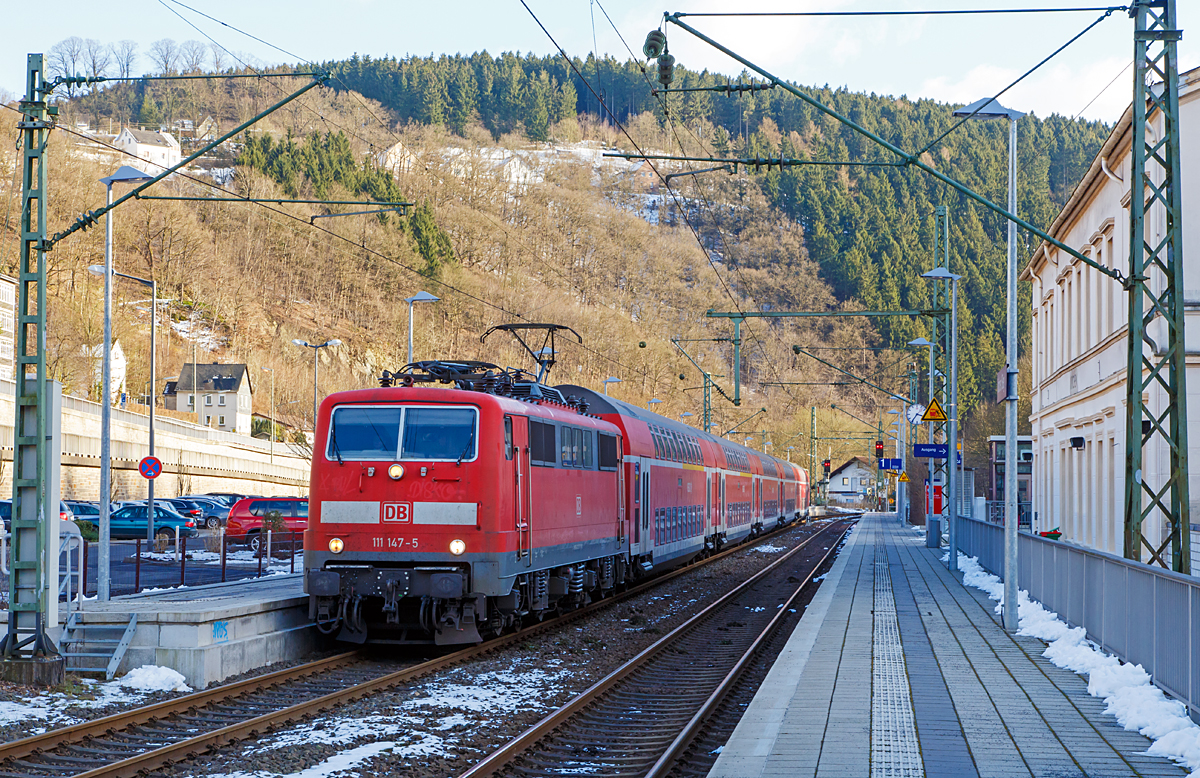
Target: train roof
602 404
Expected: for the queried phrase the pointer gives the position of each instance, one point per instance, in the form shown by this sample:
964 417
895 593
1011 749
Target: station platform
209 633
898 669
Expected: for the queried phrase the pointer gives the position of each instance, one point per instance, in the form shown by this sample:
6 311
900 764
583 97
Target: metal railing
995 514
1144 615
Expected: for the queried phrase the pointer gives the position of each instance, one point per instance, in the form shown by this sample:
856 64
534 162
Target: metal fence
995 514
138 565
1144 615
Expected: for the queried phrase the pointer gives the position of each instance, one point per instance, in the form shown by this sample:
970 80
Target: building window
191 400
221 421
845 482
208 399
221 399
207 420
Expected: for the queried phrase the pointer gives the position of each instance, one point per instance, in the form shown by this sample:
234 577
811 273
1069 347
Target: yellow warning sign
903 478
934 412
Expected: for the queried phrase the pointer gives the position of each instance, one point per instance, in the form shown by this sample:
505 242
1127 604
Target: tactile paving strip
895 752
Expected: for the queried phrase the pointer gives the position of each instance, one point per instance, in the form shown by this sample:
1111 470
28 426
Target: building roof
861 461
152 138
1082 193
213 377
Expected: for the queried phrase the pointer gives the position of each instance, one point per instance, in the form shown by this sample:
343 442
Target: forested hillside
579 243
869 229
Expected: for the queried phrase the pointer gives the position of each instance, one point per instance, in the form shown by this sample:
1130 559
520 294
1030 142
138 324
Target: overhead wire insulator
656 43
666 69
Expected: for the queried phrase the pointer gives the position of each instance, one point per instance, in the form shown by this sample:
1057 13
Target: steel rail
501 757
681 741
183 749
67 735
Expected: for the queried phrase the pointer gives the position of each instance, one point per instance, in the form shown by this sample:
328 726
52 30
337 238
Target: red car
247 515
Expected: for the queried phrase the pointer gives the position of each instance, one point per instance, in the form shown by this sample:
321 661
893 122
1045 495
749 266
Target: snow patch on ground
334 765
767 548
1126 689
239 558
150 678
54 707
414 728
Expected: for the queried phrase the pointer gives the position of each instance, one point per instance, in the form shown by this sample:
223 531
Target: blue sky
946 58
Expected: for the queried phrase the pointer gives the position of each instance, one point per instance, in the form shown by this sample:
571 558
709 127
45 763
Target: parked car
84 511
215 512
229 498
130 522
64 512
248 518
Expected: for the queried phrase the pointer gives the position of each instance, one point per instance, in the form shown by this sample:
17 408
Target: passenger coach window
587 449
439 433
607 452
364 433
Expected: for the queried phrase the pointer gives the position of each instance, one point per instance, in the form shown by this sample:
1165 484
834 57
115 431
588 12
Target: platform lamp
653 401
990 109
316 350
272 433
686 415
789 453
128 175
419 297
607 381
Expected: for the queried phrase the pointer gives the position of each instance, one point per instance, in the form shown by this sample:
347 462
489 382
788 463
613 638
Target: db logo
397 511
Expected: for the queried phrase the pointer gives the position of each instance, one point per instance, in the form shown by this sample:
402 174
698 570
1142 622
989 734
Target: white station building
1080 349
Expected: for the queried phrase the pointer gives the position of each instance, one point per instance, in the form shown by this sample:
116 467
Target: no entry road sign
150 468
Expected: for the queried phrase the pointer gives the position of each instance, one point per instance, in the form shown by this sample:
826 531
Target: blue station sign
931 450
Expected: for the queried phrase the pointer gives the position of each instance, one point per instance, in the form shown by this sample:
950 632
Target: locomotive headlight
336 545
396 472
457 547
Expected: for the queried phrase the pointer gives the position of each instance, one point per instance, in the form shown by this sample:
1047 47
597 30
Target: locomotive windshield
395 432
439 433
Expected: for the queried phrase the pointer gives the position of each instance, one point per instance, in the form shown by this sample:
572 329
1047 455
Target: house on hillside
641 176
207 129
224 393
156 151
1080 344
852 482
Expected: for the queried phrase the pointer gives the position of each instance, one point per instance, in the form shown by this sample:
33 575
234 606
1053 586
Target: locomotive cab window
607 452
439 433
359 432
508 438
389 432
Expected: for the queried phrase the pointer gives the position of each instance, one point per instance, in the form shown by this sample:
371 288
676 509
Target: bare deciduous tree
165 55
124 56
97 58
220 60
191 56
66 56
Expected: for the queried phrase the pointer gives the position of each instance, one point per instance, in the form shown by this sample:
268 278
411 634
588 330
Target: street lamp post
933 530
98 270
103 582
990 109
942 274
419 297
272 434
607 381
316 366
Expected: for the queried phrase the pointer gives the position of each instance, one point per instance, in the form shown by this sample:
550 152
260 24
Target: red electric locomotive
445 515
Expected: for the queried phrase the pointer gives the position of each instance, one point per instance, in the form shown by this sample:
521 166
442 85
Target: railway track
140 740
640 719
